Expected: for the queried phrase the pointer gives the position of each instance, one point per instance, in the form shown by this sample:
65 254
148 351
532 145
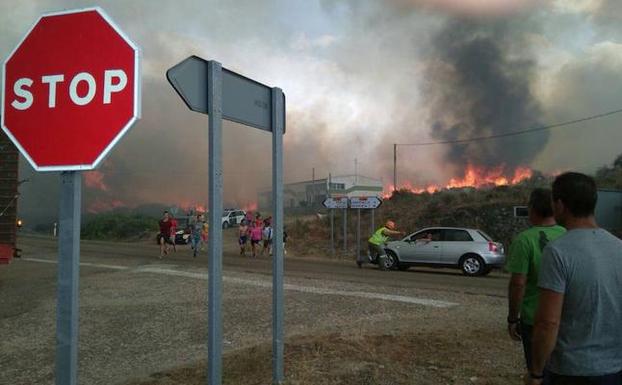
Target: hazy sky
359 75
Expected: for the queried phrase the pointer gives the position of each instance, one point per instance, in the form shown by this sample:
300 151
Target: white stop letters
82 89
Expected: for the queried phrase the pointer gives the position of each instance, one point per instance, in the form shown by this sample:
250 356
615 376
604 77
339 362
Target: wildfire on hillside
194 208
474 176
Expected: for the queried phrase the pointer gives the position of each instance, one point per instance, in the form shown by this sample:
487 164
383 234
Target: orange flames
252 207
474 176
195 208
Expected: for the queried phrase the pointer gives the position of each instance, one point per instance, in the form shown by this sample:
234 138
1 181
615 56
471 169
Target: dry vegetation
408 358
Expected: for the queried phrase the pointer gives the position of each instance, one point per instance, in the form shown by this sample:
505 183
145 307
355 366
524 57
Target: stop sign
71 89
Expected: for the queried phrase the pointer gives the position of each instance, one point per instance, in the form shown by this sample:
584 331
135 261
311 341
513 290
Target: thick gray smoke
478 87
359 76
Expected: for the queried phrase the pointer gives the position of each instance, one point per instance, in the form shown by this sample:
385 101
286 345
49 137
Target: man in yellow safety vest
377 241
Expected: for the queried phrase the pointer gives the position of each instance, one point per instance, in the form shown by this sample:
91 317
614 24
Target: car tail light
492 246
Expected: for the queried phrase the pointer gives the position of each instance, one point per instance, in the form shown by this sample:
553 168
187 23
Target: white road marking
267 284
113 267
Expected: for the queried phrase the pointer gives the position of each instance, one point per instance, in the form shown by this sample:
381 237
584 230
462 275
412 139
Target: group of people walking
254 230
259 233
199 229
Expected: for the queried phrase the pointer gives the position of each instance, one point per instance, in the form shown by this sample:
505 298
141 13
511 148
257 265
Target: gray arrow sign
365 202
336 203
244 100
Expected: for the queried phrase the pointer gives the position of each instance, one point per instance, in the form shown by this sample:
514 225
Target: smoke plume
476 88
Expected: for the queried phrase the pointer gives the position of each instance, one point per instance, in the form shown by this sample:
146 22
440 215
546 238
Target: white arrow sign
336 203
365 203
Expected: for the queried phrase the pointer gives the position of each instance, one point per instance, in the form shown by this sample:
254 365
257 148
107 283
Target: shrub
118 226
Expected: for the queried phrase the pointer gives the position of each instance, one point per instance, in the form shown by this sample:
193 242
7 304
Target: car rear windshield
486 236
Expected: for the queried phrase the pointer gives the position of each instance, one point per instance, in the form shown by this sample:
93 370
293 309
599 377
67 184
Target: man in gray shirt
578 324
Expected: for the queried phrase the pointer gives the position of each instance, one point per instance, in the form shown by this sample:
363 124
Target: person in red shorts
164 237
173 231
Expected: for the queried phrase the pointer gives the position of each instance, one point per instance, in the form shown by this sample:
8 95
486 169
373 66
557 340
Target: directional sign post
359 203
336 203
365 203
332 219
358 235
71 90
345 229
208 88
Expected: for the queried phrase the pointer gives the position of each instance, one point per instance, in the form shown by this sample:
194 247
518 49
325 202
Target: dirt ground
143 321
387 359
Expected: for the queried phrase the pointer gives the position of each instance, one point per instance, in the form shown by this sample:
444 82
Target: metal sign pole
332 218
345 230
68 279
214 314
278 113
332 231
358 236
373 226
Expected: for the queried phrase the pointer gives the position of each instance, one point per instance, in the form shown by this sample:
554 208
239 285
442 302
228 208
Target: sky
359 75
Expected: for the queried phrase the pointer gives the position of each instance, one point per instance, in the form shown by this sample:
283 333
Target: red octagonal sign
71 89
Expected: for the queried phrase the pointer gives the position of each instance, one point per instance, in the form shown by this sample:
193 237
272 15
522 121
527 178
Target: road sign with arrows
365 202
336 203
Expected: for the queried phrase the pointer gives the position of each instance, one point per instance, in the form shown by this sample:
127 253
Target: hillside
488 209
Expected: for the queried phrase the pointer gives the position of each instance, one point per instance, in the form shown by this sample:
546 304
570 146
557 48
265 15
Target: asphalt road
141 253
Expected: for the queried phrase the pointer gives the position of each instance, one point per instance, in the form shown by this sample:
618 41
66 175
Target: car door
456 242
405 248
226 217
236 217
426 246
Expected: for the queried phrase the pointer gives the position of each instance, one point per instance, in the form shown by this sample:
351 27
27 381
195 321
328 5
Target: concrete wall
609 209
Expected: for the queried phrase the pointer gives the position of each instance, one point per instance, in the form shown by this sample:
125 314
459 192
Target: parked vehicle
232 217
182 237
471 250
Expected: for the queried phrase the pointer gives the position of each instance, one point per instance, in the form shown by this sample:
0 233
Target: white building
311 193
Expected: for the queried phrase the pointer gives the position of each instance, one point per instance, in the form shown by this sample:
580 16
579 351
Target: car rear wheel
225 225
388 261
472 265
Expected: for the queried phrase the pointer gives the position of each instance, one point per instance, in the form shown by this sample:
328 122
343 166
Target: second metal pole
214 313
373 225
332 217
332 231
278 342
358 235
345 230
67 310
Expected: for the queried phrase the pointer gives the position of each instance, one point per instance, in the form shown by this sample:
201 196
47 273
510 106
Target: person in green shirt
377 241
524 264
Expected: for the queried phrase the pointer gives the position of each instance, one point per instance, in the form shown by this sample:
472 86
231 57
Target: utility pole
356 171
332 217
394 167
313 188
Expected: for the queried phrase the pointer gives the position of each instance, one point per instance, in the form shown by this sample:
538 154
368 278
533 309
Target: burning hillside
474 176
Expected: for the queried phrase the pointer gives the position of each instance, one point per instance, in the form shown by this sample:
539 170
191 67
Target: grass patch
365 360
